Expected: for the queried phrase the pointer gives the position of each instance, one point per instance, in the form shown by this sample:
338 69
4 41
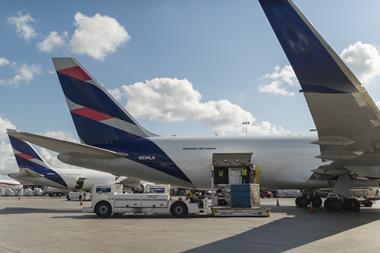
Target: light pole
246 123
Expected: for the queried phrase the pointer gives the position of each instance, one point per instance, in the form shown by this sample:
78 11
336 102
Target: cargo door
227 167
79 184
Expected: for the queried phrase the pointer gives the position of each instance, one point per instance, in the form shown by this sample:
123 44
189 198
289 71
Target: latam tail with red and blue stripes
33 168
102 122
98 117
32 165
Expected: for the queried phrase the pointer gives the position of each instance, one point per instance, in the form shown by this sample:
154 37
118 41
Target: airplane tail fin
99 119
24 152
318 68
28 158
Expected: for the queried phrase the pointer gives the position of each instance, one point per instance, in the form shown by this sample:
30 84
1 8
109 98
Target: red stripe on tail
25 156
91 114
76 72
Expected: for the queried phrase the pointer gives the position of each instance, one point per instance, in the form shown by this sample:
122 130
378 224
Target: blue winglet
317 66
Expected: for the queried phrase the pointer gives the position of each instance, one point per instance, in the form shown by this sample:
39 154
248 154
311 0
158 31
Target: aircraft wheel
352 205
368 203
327 204
302 202
316 202
103 209
336 205
179 209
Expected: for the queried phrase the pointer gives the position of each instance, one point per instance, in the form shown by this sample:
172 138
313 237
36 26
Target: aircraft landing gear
333 204
367 203
308 197
302 202
316 202
352 205
337 205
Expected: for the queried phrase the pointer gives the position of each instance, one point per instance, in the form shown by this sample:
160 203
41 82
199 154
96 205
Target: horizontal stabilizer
61 146
25 172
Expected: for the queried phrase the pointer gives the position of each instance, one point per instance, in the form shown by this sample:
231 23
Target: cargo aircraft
11 184
345 155
33 168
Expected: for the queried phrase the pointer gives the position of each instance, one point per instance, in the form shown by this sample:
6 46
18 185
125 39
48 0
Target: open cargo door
227 167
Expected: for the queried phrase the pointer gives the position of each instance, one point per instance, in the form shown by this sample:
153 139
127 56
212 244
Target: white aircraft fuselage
193 156
69 178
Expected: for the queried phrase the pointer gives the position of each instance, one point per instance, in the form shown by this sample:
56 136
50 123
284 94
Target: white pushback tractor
110 199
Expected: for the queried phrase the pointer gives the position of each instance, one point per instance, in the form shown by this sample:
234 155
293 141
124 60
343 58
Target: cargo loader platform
240 212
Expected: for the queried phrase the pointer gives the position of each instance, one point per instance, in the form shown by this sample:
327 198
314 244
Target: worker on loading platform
245 175
220 175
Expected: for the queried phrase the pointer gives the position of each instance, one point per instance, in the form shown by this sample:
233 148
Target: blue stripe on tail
46 172
88 95
96 134
23 147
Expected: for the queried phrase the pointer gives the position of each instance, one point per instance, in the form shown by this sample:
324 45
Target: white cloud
23 25
7 161
275 87
4 61
97 36
4 125
173 100
363 59
280 78
53 41
23 74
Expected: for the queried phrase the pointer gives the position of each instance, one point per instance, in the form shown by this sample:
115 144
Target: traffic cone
277 202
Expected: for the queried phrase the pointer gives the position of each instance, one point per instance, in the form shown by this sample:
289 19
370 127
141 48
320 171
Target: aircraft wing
346 118
65 147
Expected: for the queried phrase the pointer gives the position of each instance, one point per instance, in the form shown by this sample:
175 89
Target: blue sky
224 48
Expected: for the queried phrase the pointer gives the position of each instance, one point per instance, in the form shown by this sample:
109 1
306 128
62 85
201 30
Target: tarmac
43 224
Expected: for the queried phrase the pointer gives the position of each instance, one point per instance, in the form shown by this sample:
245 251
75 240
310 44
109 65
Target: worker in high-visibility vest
220 176
221 173
245 175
